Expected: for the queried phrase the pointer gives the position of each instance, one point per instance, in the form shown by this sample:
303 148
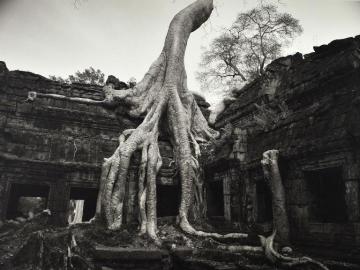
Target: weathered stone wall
61 144
308 108
50 142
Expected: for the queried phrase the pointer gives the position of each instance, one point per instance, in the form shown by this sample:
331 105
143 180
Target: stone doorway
168 200
326 189
26 200
215 199
82 204
264 211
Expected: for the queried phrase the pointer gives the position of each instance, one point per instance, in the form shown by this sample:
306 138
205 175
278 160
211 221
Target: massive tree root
161 99
162 96
285 261
272 175
267 248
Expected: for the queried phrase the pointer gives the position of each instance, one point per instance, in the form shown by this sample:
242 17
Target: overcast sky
123 37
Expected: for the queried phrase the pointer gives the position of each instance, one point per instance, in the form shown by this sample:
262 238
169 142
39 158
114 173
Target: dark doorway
168 200
327 195
264 202
88 196
215 198
26 200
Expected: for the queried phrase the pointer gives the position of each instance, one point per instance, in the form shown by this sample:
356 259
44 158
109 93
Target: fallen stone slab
121 253
182 252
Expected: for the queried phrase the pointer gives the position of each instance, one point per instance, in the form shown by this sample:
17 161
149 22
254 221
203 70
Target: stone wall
308 108
51 142
60 144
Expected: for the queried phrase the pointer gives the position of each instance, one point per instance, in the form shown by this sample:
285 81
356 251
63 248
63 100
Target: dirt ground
34 244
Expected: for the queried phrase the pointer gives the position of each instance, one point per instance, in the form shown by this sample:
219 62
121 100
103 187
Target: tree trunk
273 178
162 97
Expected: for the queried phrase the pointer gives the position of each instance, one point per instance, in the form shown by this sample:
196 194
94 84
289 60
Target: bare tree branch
256 38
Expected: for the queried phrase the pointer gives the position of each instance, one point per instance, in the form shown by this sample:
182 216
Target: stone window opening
26 200
168 200
215 198
82 205
264 202
326 189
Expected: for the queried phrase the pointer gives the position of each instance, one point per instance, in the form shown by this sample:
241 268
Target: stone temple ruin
307 107
54 149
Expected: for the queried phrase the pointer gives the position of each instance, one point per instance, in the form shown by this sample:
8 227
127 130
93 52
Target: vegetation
267 117
88 76
242 51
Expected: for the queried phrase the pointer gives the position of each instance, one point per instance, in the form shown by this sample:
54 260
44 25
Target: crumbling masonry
307 107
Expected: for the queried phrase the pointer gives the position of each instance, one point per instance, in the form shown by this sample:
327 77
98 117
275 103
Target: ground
33 244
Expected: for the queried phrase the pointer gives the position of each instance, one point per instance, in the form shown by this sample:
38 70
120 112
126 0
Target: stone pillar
351 179
130 206
352 199
227 196
58 203
2 201
236 195
250 201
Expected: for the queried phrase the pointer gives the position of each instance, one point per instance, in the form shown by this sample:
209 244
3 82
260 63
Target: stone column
131 213
227 196
351 179
352 199
2 201
58 203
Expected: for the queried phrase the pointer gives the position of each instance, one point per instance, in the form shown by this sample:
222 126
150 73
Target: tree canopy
242 51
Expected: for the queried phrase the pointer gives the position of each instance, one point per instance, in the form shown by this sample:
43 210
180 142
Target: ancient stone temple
54 149
307 107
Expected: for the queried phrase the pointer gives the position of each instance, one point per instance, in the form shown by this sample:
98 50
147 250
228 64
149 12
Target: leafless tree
242 52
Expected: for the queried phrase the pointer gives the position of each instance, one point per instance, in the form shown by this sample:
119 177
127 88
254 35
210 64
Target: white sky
123 37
